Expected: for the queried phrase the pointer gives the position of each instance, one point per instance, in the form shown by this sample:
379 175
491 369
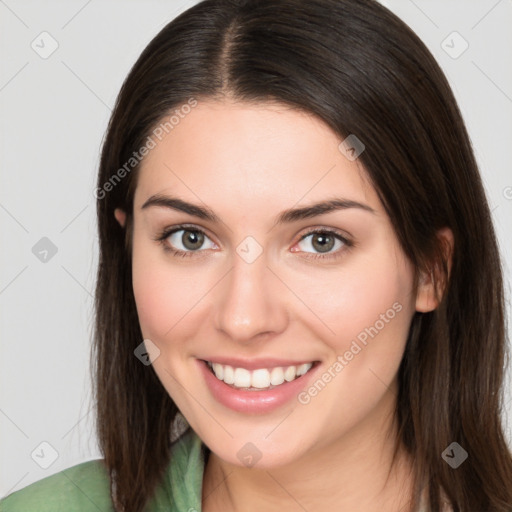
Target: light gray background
54 112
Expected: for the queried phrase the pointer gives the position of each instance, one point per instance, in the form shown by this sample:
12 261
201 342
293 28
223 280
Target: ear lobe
120 216
426 300
432 284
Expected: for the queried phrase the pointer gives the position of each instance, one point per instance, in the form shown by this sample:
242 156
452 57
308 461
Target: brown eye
192 239
322 242
188 240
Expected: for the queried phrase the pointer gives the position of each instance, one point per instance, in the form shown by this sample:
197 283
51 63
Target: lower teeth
253 389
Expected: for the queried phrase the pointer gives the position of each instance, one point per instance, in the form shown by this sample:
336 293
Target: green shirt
86 487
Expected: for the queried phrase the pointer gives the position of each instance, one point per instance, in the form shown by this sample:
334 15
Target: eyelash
162 238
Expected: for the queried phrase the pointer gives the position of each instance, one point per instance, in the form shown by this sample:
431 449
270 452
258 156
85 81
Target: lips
253 400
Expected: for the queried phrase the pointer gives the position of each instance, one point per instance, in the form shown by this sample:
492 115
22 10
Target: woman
298 278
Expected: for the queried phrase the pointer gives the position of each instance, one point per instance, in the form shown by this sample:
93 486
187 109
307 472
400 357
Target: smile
258 379
256 386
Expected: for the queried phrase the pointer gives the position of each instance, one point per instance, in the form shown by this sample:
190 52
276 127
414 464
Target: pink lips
254 402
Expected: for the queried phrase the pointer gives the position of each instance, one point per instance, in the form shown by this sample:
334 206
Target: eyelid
178 227
324 229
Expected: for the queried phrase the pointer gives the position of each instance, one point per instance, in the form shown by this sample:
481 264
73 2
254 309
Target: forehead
251 155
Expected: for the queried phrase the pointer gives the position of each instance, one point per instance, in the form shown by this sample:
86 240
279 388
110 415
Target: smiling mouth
260 379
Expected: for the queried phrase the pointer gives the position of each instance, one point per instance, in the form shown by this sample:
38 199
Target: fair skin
247 163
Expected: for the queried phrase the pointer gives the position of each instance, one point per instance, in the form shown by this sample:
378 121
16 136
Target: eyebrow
287 216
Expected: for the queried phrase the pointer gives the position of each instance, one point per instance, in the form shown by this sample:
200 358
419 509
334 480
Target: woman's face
252 290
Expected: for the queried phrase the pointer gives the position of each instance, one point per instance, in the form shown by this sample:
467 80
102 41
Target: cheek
369 308
367 299
163 294
371 322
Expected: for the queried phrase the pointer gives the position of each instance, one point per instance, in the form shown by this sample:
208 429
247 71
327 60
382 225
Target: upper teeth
261 378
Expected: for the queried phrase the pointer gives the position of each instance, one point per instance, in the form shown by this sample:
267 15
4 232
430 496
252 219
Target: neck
355 472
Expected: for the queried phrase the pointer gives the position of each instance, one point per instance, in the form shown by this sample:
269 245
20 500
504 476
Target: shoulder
84 487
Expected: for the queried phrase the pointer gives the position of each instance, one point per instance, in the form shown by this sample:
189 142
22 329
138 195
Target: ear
432 284
120 216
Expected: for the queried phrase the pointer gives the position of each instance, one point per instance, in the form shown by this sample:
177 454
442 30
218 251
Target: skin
249 162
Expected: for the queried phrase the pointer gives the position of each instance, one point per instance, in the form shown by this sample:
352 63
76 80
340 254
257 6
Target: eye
322 243
184 241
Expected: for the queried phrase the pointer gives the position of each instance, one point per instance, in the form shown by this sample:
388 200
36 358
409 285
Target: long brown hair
362 71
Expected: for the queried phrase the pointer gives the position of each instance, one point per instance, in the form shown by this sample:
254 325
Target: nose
251 302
